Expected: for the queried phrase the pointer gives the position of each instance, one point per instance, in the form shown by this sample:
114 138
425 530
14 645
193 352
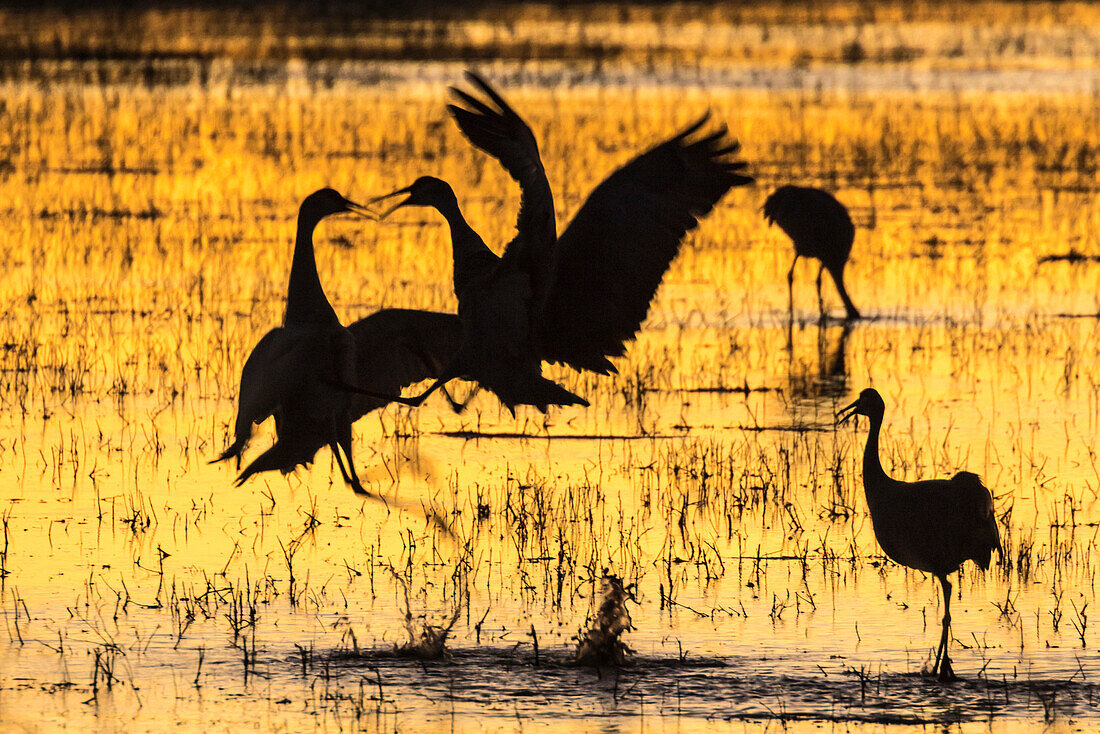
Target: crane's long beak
390 195
361 210
845 413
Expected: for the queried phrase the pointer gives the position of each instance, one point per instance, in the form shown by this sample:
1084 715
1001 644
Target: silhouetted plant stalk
5 536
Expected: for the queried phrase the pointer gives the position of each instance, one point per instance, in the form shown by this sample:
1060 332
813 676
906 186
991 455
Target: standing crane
306 373
821 228
579 298
932 526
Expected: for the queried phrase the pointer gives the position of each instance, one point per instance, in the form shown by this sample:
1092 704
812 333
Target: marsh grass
150 230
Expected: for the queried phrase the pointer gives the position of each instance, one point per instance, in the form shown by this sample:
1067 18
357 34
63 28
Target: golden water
149 232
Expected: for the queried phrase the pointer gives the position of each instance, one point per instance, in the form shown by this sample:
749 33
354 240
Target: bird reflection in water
822 378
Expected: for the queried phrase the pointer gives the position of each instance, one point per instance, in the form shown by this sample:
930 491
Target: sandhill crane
821 228
393 348
305 373
292 367
579 298
932 526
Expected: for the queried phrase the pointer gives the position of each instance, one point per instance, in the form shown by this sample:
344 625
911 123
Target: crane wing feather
609 261
395 348
504 135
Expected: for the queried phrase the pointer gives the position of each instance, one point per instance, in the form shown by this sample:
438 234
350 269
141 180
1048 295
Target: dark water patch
104 169
165 69
720 389
474 435
387 58
376 44
1073 256
98 213
511 681
792 428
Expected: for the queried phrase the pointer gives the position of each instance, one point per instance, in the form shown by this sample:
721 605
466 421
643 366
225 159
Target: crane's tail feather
541 393
233 451
276 458
985 535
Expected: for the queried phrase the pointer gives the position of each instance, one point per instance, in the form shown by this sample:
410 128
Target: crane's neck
472 257
873 474
305 298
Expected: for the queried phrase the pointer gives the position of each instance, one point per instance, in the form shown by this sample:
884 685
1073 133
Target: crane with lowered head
821 228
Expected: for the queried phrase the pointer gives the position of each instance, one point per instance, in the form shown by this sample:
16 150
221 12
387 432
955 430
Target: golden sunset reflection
149 237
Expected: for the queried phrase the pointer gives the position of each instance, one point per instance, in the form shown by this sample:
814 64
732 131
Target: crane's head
869 404
781 204
424 191
323 202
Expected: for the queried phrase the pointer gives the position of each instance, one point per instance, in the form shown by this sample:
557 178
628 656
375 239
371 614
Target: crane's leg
413 401
343 441
851 312
450 372
334 446
943 661
820 300
790 287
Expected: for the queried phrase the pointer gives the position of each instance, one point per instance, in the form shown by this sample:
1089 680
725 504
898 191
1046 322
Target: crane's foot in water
359 490
947 674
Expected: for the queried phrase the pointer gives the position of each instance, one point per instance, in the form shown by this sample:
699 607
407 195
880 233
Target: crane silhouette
393 348
579 298
307 372
821 228
932 526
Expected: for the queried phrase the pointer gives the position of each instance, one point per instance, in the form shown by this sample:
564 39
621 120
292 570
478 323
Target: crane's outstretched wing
610 260
397 347
504 135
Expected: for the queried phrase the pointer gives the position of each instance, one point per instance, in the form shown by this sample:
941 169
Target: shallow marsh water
149 238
